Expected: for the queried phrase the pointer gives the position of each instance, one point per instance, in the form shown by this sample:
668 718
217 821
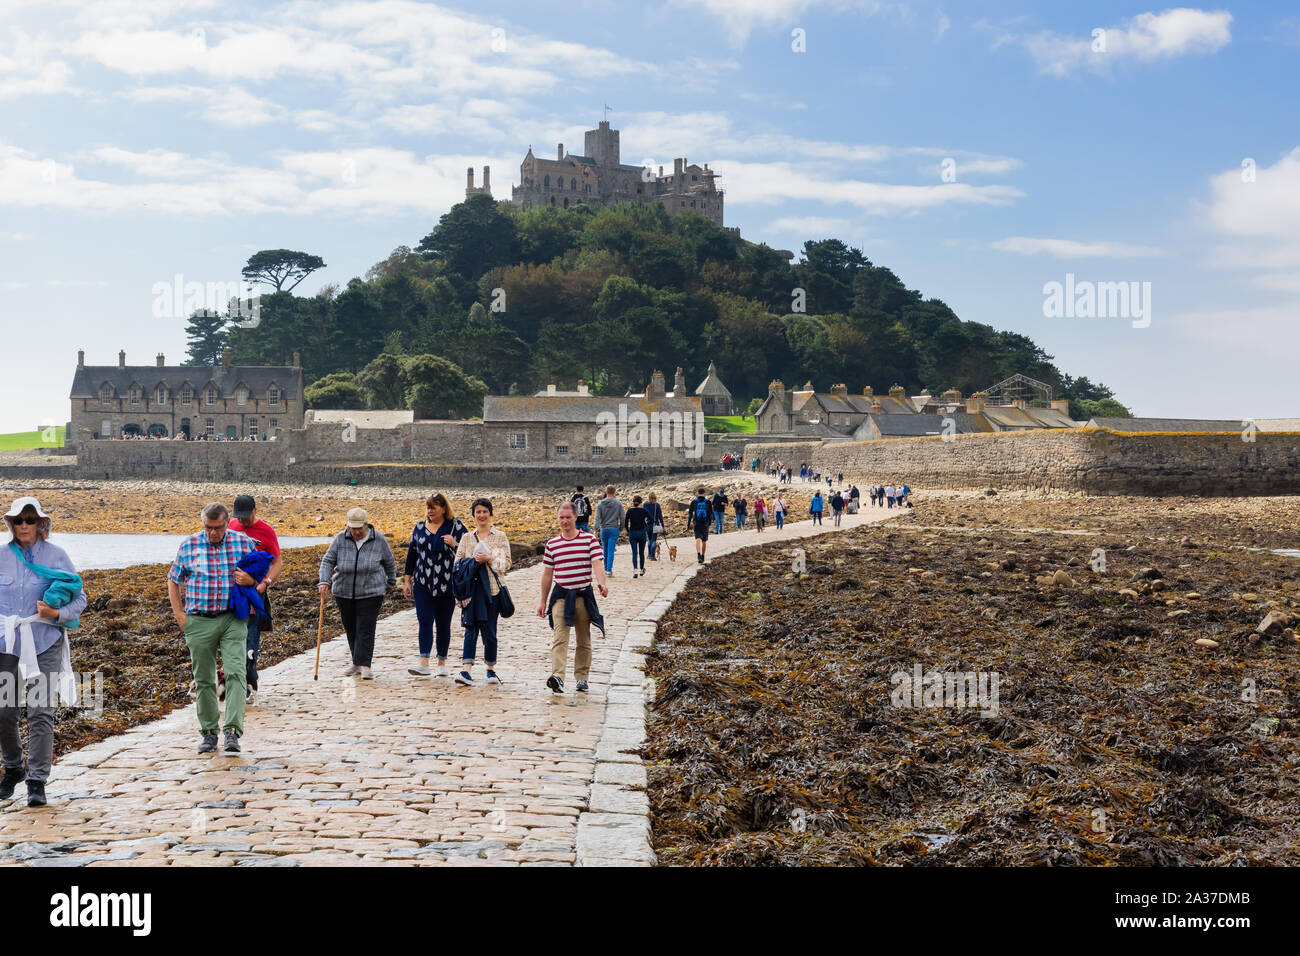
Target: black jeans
359 617
637 539
488 631
431 611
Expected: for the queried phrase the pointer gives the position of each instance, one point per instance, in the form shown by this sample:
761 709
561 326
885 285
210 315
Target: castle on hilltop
599 178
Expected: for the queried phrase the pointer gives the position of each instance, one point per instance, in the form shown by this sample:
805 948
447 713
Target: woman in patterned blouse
430 555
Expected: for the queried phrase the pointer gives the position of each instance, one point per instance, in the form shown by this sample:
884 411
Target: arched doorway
158 430
185 428
131 430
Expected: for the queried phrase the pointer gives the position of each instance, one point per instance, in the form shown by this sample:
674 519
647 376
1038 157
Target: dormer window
160 395
241 395
133 394
273 395
211 397
187 394
105 394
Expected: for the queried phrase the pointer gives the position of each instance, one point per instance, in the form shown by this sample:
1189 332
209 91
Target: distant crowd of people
181 436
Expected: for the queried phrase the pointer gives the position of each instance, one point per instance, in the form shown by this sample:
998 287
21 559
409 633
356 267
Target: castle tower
601 144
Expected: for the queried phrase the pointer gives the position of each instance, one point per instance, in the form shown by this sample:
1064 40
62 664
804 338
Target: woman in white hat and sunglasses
31 640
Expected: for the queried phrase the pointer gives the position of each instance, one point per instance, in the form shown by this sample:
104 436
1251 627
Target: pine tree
206 333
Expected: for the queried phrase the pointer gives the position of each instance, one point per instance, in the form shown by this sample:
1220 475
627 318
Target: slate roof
912 426
1050 418
521 409
88 379
1009 417
1167 424
712 385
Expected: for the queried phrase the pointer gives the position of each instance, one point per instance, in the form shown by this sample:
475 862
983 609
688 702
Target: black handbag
505 604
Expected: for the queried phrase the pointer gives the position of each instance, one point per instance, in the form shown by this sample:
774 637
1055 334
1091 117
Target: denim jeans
780 520
653 554
718 518
583 524
431 611
488 629
254 644
817 517
608 539
740 522
637 540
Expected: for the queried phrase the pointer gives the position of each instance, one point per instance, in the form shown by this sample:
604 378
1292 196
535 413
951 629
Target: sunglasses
25 519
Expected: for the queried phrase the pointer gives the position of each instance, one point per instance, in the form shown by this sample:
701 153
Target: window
573 185
275 423
105 394
629 452
683 203
597 449
692 203
211 397
160 396
187 395
274 397
561 449
519 440
134 393
546 182
232 433
252 428
210 426
241 395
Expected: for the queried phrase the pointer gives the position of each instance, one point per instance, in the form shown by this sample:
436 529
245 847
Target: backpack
580 505
701 510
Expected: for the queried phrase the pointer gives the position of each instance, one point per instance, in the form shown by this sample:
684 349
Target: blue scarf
66 585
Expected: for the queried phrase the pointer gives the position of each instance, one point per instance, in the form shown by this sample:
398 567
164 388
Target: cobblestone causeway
401 770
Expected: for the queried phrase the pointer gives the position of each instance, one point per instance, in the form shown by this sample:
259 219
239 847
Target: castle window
683 203
695 179
187 395
134 393
275 423
252 428
547 181
105 394
573 185
629 452
241 395
519 440
160 397
597 449
210 426
566 202
211 397
274 395
561 449
692 203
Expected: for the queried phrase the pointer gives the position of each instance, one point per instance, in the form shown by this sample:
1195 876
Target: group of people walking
890 495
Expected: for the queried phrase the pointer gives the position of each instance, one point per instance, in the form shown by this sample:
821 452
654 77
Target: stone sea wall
1093 461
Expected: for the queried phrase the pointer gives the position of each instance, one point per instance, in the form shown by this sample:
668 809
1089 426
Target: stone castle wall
1092 461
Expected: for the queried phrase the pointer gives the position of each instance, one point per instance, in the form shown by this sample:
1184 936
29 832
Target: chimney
679 383
677 175
661 172
487 181
469 178
776 389
840 391
657 388
559 151
161 360
868 392
550 389
876 407
898 394
1062 405
121 359
225 358
952 395
582 387
1020 403
975 404
297 359
81 358
807 386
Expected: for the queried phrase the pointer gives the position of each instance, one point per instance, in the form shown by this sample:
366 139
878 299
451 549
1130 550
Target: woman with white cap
40 595
359 569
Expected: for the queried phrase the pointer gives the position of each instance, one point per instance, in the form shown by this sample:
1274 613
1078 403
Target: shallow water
126 550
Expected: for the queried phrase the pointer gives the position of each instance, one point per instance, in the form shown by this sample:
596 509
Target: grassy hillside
15 441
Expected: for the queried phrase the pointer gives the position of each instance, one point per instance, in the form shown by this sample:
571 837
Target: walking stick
320 623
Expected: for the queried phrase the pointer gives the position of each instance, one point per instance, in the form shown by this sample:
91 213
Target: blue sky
981 151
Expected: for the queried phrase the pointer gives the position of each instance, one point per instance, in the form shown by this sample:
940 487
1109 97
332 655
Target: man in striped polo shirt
569 561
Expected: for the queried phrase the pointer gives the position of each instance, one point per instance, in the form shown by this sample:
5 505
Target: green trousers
204 637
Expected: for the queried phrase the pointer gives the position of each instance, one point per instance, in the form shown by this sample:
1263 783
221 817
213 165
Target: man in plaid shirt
206 563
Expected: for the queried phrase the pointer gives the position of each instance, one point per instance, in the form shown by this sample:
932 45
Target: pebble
1206 642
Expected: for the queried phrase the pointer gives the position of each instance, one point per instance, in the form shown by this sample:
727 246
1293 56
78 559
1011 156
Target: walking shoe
12 778
442 670
350 670
36 793
582 687
464 680
209 742
419 671
492 677
556 684
232 742
366 673
250 697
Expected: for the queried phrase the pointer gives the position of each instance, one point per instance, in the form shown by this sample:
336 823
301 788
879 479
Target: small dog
672 553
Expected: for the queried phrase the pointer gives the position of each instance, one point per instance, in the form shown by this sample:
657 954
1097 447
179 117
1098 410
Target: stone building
715 398
599 178
161 400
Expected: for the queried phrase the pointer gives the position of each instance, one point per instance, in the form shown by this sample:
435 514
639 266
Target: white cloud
739 18
944 24
808 226
29 67
1254 210
1147 37
1073 249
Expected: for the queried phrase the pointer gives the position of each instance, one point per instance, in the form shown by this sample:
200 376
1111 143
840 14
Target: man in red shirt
569 561
245 520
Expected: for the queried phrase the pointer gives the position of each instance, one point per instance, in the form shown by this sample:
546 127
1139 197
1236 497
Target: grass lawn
19 440
729 423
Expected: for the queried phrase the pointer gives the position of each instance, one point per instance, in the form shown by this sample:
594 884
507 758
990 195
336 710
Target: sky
1010 157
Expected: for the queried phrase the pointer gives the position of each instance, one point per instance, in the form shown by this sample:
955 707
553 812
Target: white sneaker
419 671
365 673
442 670
350 670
